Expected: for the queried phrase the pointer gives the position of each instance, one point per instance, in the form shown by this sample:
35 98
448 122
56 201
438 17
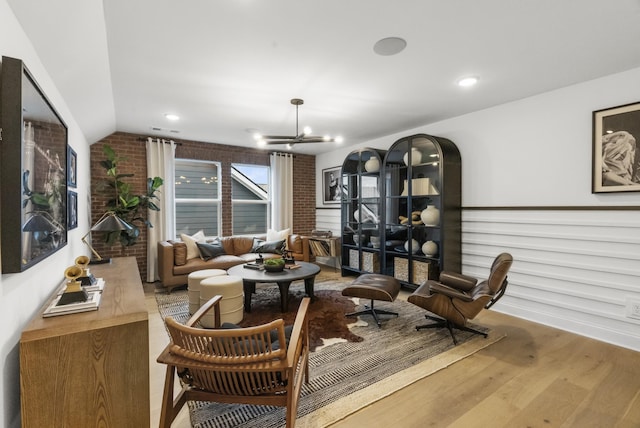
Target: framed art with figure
72 167
331 185
616 149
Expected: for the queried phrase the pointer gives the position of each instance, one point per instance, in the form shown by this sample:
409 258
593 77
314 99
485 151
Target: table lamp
109 222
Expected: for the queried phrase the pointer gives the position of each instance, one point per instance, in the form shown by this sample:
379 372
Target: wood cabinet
361 211
90 369
422 209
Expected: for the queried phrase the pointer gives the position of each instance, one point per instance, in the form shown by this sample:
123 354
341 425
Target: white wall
537 152
22 295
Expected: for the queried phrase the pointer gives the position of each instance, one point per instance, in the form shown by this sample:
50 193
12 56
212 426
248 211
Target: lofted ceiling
229 68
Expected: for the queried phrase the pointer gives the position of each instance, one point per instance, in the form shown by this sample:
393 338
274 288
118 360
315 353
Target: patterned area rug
352 370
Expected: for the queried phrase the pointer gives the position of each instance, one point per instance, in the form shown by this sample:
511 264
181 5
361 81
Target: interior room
205 78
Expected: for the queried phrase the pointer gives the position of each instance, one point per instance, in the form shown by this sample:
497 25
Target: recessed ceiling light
170 116
389 46
466 82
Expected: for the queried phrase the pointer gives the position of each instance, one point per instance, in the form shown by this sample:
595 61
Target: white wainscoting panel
328 219
577 270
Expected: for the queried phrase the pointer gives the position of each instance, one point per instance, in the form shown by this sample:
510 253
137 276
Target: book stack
292 266
254 266
92 303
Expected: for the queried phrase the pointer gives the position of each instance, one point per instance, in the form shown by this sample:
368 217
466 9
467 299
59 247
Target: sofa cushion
192 247
209 250
179 252
262 246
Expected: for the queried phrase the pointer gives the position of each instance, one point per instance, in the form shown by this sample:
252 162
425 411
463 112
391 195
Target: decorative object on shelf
372 165
416 157
321 233
86 278
415 246
375 242
414 220
430 216
73 292
430 248
274 265
419 186
359 239
300 137
109 222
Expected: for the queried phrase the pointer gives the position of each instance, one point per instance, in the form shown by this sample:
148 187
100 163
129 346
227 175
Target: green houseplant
127 205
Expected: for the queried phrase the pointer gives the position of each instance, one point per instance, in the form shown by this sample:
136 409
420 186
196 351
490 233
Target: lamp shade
110 222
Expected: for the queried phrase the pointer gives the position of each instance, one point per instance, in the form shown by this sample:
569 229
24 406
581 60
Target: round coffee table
250 277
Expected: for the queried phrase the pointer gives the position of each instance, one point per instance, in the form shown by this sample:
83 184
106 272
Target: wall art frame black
72 207
72 167
331 185
616 149
33 175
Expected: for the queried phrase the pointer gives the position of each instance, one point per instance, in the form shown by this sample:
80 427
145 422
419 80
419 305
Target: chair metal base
370 310
440 323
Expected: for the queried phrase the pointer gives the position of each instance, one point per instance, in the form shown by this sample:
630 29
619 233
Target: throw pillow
261 246
192 247
179 253
209 250
277 235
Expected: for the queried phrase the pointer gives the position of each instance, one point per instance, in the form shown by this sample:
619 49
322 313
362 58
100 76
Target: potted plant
274 265
127 205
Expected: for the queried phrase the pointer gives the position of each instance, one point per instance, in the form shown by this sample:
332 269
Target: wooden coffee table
250 277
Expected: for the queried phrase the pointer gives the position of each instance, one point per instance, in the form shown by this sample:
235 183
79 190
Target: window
197 197
250 198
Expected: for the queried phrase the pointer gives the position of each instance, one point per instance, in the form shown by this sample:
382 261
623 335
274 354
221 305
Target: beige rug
347 376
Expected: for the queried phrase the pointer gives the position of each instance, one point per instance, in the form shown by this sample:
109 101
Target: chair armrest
438 288
213 302
457 280
300 332
165 260
306 250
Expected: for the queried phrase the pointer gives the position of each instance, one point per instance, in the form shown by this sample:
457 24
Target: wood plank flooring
537 376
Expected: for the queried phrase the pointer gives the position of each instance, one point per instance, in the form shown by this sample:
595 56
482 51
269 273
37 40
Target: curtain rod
282 154
177 143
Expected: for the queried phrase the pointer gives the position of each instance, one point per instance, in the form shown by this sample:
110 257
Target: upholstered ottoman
232 303
373 286
193 286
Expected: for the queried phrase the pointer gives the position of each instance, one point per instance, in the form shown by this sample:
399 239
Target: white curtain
160 163
281 191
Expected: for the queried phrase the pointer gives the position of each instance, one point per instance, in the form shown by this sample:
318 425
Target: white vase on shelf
415 246
430 248
430 216
372 165
416 157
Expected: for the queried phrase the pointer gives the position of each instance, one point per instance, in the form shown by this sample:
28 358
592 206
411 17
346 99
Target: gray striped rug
336 370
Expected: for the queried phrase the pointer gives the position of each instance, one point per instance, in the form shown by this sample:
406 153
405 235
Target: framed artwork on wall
331 185
33 170
616 149
72 208
72 167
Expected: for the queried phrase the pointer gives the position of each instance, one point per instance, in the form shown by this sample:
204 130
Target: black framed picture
33 169
72 207
72 167
331 185
616 149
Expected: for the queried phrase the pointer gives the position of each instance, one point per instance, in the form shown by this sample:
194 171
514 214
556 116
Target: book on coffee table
292 266
254 266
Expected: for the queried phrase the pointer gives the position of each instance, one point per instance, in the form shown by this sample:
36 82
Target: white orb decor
430 248
430 216
372 165
356 215
415 246
416 157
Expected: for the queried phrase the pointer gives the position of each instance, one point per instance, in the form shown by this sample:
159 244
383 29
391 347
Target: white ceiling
229 66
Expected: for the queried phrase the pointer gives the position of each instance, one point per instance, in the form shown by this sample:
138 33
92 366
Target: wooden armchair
254 365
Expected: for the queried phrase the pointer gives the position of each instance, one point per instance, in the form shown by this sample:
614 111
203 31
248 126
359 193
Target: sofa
174 268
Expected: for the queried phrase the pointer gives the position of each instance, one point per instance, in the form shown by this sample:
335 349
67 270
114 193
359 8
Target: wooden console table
90 369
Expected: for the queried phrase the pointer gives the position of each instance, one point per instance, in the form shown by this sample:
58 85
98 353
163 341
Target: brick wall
132 147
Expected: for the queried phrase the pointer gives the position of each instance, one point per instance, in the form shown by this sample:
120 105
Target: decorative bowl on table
274 265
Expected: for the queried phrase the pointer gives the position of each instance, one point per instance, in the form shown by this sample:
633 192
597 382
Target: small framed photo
72 215
616 149
331 185
72 167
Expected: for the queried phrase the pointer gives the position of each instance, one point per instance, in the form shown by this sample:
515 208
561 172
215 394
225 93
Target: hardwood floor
537 376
